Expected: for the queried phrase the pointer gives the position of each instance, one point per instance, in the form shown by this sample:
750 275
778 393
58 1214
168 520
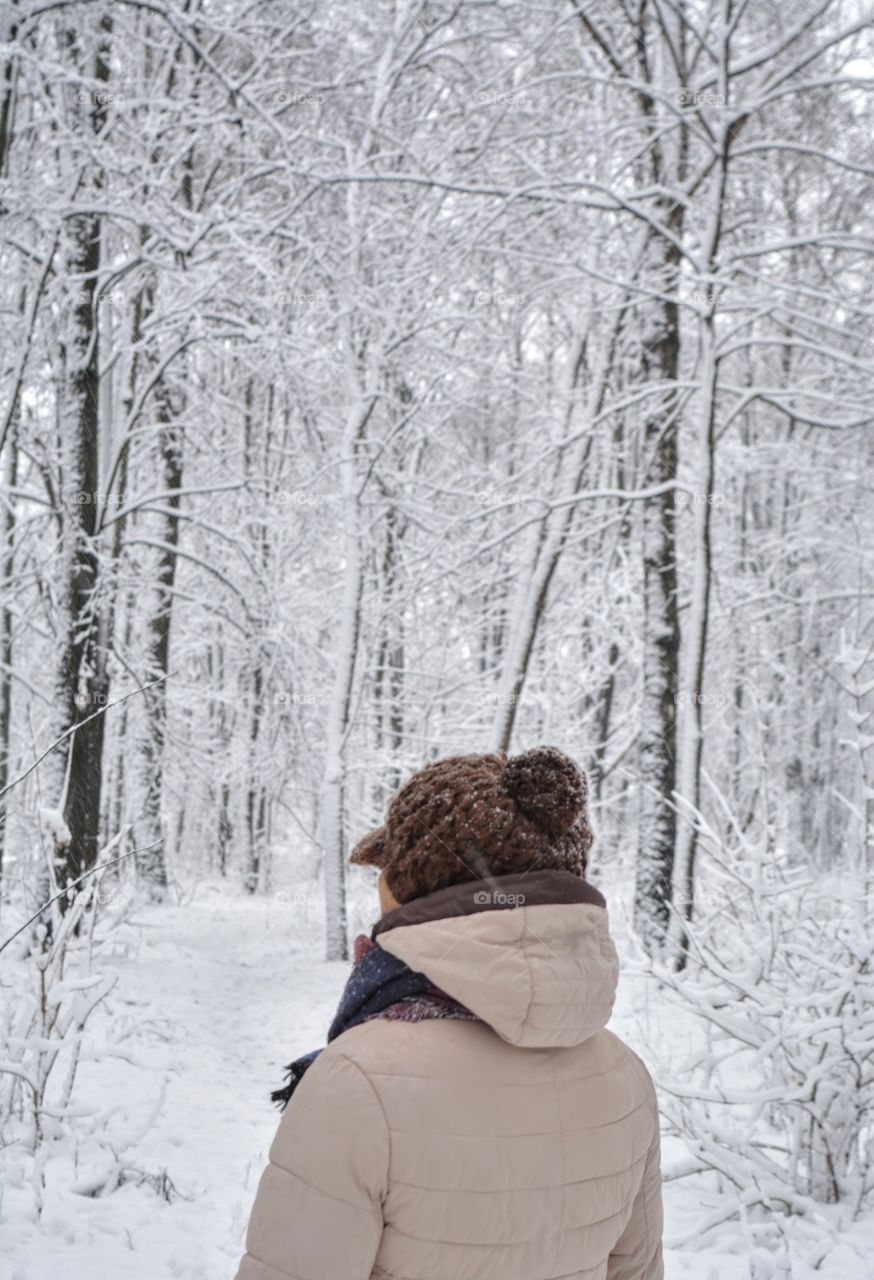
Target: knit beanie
469 817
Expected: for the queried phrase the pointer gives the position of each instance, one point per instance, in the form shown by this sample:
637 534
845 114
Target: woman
471 1118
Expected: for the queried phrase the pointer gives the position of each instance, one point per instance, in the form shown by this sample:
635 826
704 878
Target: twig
73 727
72 885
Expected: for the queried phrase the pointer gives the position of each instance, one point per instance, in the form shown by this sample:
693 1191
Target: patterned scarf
379 986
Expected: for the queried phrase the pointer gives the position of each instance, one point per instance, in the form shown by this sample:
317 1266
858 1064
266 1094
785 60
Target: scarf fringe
294 1074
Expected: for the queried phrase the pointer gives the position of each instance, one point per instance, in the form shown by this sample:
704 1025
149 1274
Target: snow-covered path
212 997
200 1011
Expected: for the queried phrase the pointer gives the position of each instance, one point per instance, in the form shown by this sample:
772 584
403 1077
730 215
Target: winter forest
388 380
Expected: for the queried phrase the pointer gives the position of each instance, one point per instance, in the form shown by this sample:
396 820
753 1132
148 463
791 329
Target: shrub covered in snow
41 1040
775 1088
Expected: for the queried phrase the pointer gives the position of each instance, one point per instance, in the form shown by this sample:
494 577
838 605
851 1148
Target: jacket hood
529 953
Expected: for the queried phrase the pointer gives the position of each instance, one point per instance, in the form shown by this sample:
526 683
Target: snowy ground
212 997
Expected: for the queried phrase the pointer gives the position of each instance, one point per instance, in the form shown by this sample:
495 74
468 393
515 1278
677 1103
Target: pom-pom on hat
468 817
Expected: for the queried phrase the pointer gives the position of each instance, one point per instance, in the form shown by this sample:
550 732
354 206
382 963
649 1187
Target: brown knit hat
468 817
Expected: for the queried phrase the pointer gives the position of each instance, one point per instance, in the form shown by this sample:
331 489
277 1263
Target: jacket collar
540 887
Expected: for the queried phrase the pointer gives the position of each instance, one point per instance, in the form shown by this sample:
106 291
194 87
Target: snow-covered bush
774 1088
43 1027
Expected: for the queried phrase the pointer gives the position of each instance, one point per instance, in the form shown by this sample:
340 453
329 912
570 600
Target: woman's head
468 817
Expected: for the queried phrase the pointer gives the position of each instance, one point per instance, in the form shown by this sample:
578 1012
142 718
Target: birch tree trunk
332 815
661 648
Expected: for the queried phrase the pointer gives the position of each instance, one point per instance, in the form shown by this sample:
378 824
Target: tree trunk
548 539
81 683
661 634
661 648
255 791
10 479
151 862
695 629
332 832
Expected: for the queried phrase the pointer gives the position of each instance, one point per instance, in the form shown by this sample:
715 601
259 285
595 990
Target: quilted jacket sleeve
637 1254
318 1209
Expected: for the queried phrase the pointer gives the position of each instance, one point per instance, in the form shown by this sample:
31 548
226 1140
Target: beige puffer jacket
525 1147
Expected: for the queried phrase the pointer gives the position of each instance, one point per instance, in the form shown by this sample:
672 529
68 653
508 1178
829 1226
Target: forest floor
213 996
